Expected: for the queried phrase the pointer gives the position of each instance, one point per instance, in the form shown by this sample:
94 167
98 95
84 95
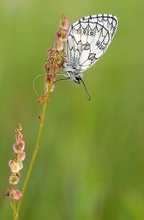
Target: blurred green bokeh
90 165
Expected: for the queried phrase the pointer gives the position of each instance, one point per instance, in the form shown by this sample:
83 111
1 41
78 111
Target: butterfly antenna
87 93
34 83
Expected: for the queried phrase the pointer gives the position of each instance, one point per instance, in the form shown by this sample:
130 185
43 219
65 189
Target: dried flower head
15 194
56 56
64 23
16 165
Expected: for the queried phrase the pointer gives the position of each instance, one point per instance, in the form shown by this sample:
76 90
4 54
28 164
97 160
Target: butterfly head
76 76
78 79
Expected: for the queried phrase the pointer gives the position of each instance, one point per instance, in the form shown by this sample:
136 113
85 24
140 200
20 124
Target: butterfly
88 39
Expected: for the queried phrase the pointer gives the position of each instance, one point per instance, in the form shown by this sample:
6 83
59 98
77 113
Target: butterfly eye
77 79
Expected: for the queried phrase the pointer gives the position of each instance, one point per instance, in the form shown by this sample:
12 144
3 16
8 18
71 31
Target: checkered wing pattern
88 39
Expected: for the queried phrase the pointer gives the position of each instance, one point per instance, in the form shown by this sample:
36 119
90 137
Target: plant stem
13 205
36 147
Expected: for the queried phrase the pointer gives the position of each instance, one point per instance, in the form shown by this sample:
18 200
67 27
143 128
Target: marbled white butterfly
88 39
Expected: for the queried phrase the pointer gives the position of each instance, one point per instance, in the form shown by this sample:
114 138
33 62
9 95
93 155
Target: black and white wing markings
88 39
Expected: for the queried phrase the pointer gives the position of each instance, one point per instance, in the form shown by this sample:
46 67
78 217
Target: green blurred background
90 165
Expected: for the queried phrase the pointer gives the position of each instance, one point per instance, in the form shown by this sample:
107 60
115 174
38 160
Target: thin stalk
36 147
13 205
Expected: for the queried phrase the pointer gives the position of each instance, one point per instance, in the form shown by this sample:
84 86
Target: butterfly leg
65 77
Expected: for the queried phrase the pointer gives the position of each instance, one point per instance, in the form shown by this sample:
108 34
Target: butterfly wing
89 38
